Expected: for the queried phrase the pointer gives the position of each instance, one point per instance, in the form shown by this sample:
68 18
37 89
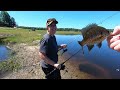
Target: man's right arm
48 61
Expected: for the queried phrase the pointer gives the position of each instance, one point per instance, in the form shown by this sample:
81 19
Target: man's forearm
46 59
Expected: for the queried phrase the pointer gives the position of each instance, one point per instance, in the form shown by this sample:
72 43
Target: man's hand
114 39
59 66
63 45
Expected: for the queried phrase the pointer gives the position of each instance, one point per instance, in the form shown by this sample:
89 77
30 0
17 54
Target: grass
22 36
68 32
9 65
27 36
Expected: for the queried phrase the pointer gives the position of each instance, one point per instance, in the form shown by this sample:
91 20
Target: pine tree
6 20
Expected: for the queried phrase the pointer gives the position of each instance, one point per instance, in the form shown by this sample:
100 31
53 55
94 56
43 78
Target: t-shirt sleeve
42 46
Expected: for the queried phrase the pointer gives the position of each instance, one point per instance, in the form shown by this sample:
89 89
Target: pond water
98 61
4 52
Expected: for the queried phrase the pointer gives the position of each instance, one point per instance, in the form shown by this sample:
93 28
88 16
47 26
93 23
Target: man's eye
53 26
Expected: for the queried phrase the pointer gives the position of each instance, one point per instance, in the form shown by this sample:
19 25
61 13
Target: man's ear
47 29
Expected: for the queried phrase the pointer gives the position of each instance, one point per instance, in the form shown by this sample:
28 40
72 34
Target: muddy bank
29 59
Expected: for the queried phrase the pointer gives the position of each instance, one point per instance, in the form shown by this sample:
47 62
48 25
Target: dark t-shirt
48 45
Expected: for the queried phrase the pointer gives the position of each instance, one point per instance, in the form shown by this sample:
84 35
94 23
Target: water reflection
4 52
101 60
94 69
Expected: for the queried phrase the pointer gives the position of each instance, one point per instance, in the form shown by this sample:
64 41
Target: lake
99 61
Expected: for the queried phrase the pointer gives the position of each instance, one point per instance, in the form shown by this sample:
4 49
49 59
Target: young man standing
48 51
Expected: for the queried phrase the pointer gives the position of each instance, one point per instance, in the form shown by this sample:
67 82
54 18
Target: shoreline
29 59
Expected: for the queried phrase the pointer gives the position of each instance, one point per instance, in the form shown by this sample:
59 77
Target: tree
13 23
1 23
6 20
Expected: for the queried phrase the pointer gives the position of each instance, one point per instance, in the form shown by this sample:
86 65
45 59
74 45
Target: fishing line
108 17
80 49
70 41
95 55
99 23
74 49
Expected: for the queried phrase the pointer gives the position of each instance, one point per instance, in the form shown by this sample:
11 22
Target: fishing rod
64 50
70 41
62 64
98 24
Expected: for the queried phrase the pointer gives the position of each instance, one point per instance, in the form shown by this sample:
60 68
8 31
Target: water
99 61
4 52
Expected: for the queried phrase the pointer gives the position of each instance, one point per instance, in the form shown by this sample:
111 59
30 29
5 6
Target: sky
67 19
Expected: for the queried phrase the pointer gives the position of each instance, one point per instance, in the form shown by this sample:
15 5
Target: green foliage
68 32
21 35
9 65
31 28
13 23
6 20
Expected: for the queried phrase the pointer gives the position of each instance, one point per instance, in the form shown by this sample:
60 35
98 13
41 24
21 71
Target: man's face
52 28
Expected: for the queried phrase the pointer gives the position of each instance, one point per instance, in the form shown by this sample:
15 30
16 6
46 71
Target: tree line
6 20
59 29
42 28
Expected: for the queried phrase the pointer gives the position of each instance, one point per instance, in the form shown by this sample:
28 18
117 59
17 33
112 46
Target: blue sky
67 19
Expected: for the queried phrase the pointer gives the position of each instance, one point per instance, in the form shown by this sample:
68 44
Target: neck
50 34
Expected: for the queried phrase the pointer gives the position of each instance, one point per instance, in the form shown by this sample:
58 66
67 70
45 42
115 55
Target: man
48 51
114 39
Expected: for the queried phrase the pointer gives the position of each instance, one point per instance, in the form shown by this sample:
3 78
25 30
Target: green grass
22 36
26 36
68 32
9 65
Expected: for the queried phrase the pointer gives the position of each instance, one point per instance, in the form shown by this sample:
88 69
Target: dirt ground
28 56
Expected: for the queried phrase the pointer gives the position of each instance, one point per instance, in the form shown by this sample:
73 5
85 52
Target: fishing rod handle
62 68
51 72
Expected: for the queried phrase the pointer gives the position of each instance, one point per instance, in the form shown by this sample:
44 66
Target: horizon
66 19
